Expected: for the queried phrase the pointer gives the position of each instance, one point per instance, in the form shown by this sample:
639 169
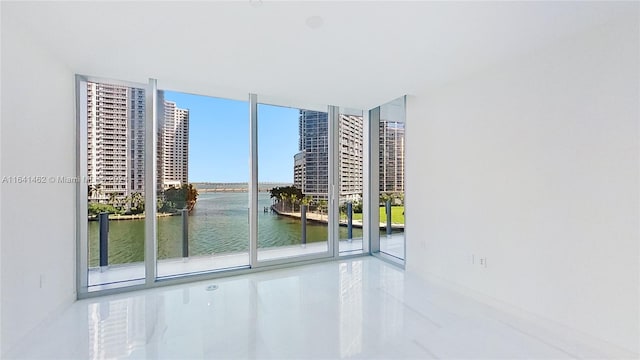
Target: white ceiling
364 53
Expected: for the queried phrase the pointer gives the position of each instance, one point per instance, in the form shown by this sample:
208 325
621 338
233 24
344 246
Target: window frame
370 185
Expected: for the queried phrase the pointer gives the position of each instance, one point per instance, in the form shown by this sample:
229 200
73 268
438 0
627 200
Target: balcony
116 276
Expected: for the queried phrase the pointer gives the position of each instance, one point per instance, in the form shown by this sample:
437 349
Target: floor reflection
356 308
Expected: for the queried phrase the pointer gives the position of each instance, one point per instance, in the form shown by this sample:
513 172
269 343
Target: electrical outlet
483 262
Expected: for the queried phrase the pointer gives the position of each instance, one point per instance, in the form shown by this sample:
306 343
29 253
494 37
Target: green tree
357 207
384 197
294 201
160 204
286 195
97 208
192 196
126 202
112 200
322 206
136 203
184 197
275 193
94 191
306 200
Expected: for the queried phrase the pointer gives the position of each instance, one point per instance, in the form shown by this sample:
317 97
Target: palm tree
284 194
275 192
137 203
112 199
384 197
294 200
94 191
127 202
307 200
121 202
91 190
322 205
283 198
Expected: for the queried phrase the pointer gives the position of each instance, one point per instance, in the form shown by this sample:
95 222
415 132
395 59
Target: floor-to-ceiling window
293 182
391 177
112 127
305 192
202 196
387 132
351 180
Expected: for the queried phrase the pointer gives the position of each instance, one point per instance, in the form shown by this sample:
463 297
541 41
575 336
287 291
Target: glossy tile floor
357 308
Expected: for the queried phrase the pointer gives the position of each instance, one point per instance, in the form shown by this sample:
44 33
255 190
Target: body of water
218 224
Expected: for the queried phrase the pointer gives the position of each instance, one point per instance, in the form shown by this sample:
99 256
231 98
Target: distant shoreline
207 187
131 217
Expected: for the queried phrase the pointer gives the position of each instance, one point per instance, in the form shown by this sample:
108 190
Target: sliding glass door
293 182
202 194
111 182
351 179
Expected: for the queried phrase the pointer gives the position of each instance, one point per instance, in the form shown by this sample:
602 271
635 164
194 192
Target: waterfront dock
323 219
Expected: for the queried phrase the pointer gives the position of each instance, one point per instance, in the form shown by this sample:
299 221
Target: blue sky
219 139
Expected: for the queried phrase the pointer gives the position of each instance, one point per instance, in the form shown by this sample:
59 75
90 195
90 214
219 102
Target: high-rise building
391 165
310 164
115 140
311 170
298 170
313 158
175 145
350 153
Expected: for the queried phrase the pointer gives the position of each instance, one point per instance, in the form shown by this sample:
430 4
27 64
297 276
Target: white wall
38 220
534 164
